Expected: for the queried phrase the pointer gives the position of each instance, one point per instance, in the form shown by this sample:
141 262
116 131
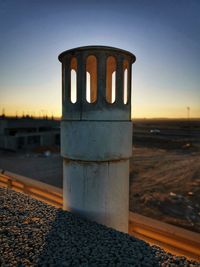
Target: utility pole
188 113
188 117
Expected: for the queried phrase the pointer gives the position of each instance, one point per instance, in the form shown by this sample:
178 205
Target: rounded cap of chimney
96 83
94 48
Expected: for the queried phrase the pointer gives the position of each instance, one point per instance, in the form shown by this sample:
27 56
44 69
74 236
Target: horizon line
60 117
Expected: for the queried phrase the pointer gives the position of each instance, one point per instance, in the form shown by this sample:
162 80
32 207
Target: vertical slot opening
110 79
125 91
73 80
113 92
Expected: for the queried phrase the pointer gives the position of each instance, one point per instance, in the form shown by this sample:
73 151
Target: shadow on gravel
73 241
37 234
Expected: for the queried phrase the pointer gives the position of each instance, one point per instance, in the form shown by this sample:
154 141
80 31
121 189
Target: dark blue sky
164 35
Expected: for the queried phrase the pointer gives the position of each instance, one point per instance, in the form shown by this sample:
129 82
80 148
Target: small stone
172 194
190 193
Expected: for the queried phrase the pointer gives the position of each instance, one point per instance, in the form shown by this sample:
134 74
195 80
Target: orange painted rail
173 239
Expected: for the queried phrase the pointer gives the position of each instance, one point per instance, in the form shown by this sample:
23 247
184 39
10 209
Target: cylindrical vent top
96 83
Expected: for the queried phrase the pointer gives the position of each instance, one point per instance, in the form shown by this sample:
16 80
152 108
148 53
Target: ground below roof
36 234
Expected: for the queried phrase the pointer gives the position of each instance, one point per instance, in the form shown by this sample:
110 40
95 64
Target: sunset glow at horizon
163 35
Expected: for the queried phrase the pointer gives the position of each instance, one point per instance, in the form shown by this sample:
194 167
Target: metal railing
173 239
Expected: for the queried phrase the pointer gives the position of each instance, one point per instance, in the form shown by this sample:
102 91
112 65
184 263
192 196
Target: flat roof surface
36 234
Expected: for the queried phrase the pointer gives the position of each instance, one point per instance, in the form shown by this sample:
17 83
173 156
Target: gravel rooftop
33 233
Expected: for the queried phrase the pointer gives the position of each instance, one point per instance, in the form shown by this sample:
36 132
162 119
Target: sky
163 34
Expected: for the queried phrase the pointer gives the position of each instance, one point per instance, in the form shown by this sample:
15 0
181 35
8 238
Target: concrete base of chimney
98 191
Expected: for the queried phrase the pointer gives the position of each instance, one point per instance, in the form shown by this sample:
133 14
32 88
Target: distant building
27 133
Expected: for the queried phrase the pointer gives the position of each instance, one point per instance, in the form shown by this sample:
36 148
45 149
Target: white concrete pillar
96 138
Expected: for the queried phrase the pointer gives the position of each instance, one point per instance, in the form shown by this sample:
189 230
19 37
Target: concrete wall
27 133
8 142
13 142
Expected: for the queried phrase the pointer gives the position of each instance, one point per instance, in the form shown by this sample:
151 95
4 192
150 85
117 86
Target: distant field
165 172
35 166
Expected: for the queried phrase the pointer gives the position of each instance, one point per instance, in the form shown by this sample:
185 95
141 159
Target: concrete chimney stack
96 133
